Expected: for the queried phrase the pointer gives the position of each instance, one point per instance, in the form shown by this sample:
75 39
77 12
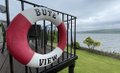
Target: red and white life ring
16 37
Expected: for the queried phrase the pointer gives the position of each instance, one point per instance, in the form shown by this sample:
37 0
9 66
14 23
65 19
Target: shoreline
108 54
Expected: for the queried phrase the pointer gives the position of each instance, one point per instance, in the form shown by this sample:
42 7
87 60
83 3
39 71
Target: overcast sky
91 14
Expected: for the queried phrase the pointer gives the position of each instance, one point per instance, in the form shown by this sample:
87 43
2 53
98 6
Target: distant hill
102 31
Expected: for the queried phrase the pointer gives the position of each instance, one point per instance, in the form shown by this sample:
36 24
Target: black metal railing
38 35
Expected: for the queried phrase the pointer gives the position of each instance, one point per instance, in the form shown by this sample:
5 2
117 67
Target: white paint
30 14
34 62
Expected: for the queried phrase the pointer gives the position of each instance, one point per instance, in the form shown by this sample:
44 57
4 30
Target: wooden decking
4 62
19 68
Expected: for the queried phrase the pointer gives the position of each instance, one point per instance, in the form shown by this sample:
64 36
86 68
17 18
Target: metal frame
68 57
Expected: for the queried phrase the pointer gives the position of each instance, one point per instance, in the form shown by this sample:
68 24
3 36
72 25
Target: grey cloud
83 9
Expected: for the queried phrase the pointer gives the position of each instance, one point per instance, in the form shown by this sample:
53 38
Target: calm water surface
109 42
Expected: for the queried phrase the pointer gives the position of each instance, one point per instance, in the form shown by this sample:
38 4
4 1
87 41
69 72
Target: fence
43 37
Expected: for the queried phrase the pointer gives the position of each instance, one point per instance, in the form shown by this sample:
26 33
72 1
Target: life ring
16 37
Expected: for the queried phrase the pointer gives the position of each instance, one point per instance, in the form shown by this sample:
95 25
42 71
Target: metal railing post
8 22
75 37
67 35
71 46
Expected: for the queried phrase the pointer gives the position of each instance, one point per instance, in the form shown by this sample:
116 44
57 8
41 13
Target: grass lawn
91 63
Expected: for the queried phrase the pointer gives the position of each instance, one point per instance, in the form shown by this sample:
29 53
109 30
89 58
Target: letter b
37 12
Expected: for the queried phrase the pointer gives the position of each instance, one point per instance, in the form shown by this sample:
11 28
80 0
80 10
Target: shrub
77 45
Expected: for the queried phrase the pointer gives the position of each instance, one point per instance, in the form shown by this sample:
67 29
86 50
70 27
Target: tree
88 41
1 33
91 43
2 36
96 44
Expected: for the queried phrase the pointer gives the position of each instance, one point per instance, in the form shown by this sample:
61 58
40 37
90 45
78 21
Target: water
109 42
